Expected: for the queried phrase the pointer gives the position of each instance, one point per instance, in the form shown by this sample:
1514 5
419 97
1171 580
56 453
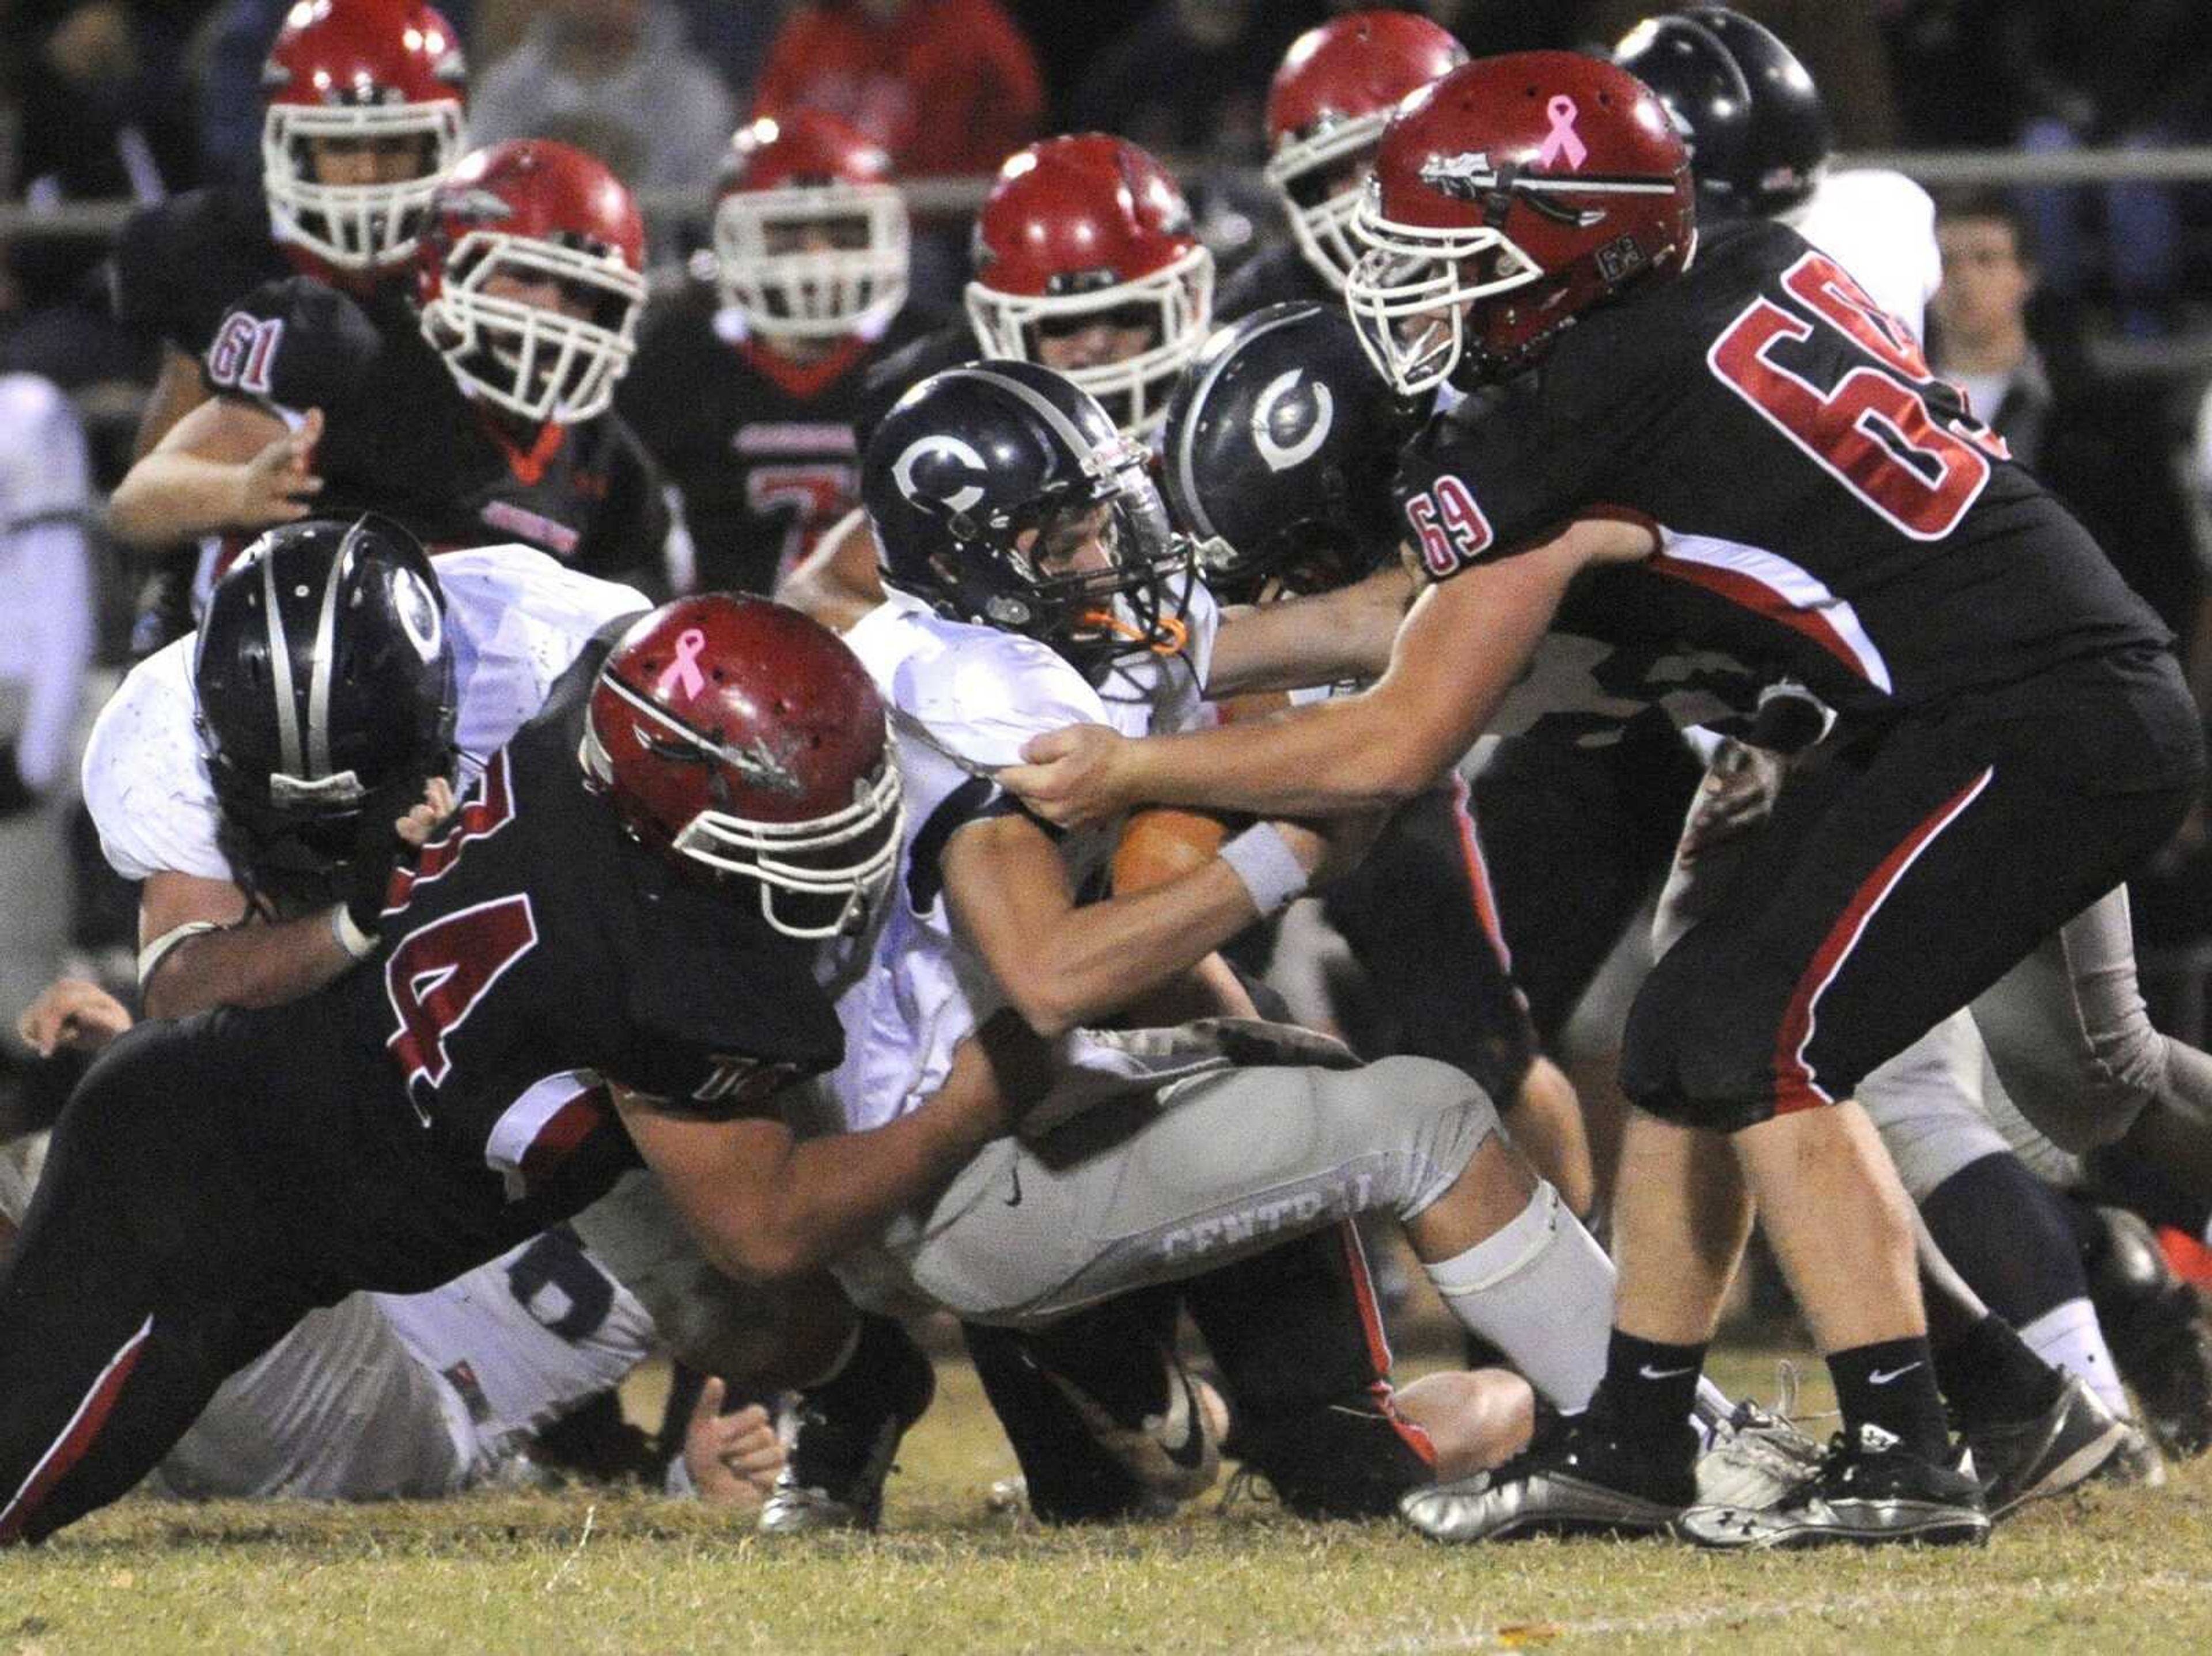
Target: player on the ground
261 860
656 855
2013 730
1332 94
364 114
409 1396
745 388
481 413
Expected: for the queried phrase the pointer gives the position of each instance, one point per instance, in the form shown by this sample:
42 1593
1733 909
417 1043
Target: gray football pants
1159 1186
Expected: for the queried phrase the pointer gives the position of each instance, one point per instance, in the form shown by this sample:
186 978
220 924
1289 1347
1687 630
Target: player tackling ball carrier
1733 435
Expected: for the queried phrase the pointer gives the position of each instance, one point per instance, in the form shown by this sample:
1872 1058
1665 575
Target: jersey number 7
1892 433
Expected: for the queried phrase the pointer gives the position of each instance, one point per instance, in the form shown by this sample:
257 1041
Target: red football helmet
1086 229
807 177
358 73
1331 98
533 214
1508 198
739 735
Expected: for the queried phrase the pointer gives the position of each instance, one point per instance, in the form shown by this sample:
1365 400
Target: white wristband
356 943
1263 859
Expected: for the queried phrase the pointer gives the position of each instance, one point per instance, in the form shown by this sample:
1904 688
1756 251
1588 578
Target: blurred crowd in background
2086 311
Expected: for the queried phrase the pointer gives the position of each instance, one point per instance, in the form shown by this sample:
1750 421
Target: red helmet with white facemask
739 736
810 236
1089 230
355 73
538 217
1331 98
1508 198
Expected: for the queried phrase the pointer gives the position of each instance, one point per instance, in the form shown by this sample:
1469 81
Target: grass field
590 1571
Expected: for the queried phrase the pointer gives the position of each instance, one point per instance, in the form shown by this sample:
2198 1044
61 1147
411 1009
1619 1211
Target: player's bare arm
1322 639
227 464
837 583
766 1207
1463 644
1063 965
200 946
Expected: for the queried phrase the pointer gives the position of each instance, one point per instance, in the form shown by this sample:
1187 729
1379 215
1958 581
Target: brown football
1160 843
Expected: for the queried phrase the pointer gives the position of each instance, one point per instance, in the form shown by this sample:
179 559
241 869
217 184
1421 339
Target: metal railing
1933 169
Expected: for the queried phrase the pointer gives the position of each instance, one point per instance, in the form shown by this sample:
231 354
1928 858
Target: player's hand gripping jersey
979 694
1881 549
401 439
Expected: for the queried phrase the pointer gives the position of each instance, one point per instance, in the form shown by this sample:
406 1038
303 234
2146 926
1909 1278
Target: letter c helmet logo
958 498
1281 456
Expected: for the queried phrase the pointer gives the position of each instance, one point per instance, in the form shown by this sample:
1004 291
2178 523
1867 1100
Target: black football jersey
535 951
399 436
1277 276
760 447
179 265
1827 511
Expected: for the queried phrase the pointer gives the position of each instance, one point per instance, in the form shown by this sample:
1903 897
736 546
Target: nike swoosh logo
1879 1377
1648 1372
1188 1447
1015 1200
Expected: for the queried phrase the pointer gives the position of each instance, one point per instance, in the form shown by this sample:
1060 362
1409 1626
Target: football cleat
1173 1455
1572 1479
1869 1491
2136 1463
2156 1326
2027 1460
1757 1459
839 1447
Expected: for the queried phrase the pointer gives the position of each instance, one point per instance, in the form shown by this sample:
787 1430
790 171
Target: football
1161 843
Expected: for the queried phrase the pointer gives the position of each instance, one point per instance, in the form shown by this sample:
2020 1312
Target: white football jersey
1880 227
516 619
46 573
524 1339
978 694
385 1396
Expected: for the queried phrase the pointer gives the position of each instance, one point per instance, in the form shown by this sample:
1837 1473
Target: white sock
1539 1289
2068 1337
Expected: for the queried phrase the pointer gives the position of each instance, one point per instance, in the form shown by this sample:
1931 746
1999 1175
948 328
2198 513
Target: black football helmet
1757 130
980 480
1281 445
325 683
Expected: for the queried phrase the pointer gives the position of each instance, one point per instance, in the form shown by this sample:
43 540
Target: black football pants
209 1182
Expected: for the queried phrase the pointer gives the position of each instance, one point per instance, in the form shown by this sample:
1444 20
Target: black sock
1892 1384
1990 1376
1647 1394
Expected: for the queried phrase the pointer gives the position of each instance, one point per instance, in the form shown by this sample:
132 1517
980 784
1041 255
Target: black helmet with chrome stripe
323 679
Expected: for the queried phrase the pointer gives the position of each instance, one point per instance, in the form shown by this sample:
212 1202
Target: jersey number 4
439 972
1892 433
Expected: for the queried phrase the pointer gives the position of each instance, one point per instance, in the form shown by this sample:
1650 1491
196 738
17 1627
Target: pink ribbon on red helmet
1561 140
683 671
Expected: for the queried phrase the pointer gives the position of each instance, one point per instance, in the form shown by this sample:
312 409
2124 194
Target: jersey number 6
1918 464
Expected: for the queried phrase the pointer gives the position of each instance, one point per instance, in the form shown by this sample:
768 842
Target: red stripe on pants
1795 1088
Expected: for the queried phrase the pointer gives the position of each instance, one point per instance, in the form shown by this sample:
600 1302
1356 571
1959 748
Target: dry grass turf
582 1570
